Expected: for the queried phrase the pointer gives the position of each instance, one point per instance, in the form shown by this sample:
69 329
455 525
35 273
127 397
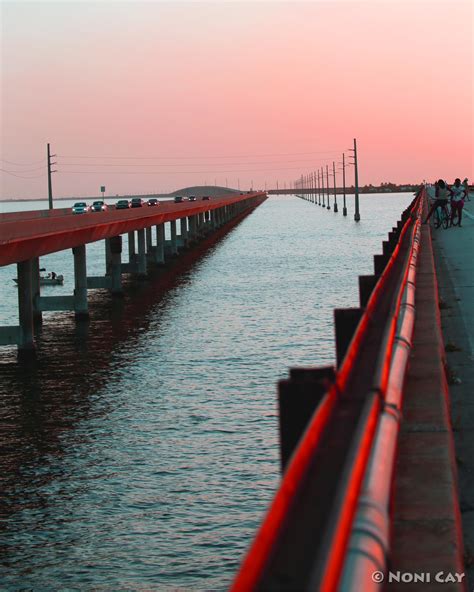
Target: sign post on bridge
102 190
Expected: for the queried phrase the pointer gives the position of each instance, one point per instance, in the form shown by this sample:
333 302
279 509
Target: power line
23 164
25 170
21 176
108 164
201 156
179 172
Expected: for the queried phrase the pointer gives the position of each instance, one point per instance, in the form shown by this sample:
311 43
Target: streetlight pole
335 192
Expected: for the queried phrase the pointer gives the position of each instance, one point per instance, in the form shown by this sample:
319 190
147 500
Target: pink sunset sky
187 93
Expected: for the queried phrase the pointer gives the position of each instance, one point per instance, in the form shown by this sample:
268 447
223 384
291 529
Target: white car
80 207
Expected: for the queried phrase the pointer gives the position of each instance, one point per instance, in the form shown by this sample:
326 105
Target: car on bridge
205 197
136 202
178 199
99 206
80 207
122 204
152 202
192 198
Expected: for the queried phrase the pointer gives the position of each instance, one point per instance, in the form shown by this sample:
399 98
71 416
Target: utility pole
356 175
335 192
322 185
319 190
344 208
327 185
50 187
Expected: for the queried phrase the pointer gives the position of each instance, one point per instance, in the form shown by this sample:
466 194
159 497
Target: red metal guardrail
336 430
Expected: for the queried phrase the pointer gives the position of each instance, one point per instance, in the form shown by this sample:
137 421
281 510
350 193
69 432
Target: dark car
136 202
204 197
152 202
122 204
192 198
99 206
178 199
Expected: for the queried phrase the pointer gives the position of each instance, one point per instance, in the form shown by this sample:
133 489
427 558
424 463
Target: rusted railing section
328 523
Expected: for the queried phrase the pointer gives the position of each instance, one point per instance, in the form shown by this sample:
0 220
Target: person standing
441 198
458 194
465 184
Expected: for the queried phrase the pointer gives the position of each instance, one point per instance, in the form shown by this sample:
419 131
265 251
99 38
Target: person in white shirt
458 193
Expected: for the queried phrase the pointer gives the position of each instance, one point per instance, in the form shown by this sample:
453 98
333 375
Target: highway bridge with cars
26 236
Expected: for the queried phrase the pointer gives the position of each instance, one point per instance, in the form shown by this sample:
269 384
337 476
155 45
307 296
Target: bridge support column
36 290
149 244
80 281
212 215
174 242
108 257
193 228
116 265
25 306
203 229
141 253
132 256
160 244
184 231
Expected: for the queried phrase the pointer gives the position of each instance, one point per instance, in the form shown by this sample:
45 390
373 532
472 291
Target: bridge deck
26 236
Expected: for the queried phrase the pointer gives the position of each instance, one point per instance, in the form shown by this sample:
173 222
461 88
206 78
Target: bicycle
442 216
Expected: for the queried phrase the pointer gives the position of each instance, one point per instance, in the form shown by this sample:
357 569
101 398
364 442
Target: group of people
458 192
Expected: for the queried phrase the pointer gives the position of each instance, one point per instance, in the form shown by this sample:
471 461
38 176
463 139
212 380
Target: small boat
48 280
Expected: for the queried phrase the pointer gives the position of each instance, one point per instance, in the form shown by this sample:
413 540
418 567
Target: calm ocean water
140 450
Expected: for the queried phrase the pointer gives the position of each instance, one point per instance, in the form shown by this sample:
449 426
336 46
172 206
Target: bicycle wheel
445 219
